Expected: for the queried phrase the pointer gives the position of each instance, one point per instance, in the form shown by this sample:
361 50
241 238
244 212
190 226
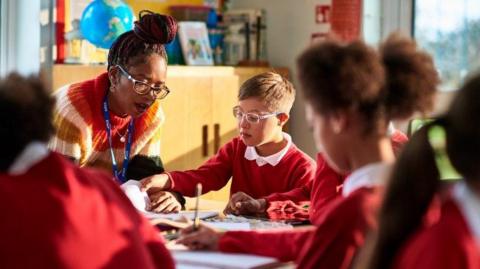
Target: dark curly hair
26 110
149 35
391 83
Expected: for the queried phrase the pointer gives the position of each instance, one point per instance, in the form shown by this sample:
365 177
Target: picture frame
195 44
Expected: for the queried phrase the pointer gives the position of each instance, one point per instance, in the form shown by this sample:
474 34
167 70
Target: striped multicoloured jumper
81 132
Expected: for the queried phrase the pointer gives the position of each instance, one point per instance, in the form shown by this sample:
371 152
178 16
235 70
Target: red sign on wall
322 14
346 19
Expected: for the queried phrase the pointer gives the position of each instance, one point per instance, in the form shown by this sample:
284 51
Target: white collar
33 153
251 154
469 204
370 175
391 129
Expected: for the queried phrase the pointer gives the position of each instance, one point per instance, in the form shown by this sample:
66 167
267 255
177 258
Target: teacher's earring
112 88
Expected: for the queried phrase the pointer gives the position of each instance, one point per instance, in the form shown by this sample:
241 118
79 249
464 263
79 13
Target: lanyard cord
120 177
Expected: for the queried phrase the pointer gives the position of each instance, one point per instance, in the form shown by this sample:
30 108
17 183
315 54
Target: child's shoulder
296 153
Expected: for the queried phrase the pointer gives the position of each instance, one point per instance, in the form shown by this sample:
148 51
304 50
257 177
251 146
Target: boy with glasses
261 160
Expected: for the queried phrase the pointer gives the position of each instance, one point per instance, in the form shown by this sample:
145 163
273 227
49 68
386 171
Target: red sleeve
213 174
297 195
337 238
160 255
284 245
325 188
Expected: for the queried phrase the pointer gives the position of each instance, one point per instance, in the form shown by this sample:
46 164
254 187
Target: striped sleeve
149 142
72 131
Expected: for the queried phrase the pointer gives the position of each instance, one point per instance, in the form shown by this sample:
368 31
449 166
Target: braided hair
149 35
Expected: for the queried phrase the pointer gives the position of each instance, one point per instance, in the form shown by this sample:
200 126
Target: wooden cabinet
198 110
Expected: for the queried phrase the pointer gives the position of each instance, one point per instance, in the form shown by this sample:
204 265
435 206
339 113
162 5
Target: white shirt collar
251 154
33 153
370 175
391 129
469 204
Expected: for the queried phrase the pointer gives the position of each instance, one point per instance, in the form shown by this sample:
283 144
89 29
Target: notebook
216 260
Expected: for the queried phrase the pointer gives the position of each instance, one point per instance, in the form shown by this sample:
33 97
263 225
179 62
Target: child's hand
204 237
159 182
242 204
163 202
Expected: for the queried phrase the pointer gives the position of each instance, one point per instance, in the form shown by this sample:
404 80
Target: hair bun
412 78
155 28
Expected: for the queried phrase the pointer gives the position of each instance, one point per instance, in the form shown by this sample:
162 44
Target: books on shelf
195 43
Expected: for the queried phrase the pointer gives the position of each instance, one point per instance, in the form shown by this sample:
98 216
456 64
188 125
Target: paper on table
182 214
139 199
210 259
230 226
187 266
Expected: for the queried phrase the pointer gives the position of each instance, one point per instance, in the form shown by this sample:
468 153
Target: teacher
113 121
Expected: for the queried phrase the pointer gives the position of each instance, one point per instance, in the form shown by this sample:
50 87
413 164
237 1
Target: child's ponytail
414 181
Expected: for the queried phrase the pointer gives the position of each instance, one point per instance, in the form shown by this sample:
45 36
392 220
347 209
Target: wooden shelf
63 74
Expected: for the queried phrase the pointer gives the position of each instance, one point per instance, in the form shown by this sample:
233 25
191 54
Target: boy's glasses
252 117
143 88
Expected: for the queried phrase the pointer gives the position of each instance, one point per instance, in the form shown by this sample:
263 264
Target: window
450 31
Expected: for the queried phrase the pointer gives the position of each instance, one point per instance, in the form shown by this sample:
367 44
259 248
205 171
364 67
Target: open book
207 259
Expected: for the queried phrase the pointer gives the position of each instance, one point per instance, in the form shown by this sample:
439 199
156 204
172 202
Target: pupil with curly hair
46 220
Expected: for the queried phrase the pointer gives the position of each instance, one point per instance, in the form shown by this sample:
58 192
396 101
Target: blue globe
104 20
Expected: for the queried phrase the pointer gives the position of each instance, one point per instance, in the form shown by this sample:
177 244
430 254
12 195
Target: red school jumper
326 185
448 244
323 189
294 170
57 215
332 244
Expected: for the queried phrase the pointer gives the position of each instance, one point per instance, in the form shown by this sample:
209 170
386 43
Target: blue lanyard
106 115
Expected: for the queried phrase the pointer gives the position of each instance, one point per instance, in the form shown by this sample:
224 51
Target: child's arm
213 174
284 245
297 195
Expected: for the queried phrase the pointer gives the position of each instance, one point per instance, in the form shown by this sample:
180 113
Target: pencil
198 192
